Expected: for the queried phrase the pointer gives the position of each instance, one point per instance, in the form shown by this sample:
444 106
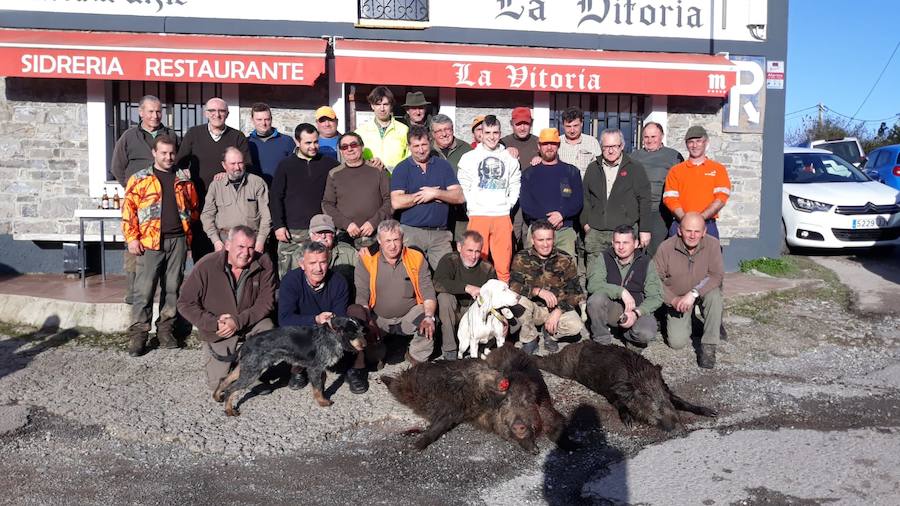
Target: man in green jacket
616 192
448 147
625 291
691 268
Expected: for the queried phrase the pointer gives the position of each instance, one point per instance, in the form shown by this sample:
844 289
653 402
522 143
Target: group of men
395 224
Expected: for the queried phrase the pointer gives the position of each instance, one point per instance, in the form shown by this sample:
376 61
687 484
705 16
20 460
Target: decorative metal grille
602 111
182 107
394 10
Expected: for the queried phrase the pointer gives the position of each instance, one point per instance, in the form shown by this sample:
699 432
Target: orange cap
549 135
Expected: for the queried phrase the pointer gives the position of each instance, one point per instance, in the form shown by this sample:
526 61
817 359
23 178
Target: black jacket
629 200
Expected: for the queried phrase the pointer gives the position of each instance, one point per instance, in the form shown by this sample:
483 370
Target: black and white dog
314 348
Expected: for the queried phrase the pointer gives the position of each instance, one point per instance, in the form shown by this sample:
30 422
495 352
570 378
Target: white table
100 215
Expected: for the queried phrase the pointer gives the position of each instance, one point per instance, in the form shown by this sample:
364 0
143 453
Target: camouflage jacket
557 273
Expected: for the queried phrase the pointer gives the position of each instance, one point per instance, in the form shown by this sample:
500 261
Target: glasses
445 130
352 145
612 147
220 111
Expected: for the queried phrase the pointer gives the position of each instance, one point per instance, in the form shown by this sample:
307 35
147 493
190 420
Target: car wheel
786 249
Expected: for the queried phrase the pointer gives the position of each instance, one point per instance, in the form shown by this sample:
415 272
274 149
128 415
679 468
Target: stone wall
471 103
740 153
43 155
291 105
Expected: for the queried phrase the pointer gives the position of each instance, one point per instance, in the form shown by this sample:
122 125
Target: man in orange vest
394 293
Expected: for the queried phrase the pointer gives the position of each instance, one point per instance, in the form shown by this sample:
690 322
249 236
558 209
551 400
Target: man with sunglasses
616 192
357 195
201 152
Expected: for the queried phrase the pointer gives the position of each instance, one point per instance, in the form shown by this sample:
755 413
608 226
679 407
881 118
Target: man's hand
367 229
587 228
630 319
353 230
628 300
644 240
426 194
514 152
555 218
220 176
283 234
549 298
227 326
426 327
553 321
218 246
684 303
135 248
324 317
260 247
535 161
377 163
473 290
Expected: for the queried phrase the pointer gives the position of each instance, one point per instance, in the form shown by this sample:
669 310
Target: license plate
862 223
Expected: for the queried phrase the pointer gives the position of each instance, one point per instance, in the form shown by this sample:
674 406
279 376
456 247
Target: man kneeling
229 295
625 291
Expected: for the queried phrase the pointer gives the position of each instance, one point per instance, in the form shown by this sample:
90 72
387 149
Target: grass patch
777 267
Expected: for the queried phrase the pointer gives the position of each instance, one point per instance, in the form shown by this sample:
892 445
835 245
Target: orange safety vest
412 261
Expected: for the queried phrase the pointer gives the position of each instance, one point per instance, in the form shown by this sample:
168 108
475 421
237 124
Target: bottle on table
104 200
117 202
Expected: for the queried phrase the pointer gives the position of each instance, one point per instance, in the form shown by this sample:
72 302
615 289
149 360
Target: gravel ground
105 428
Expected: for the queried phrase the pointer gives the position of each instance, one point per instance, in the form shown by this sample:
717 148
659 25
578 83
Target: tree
829 128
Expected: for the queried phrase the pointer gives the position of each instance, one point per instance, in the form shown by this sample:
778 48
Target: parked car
884 165
828 203
847 148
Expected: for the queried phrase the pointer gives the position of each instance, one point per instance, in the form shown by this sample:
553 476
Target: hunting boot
358 380
530 347
707 358
550 345
166 340
136 344
449 355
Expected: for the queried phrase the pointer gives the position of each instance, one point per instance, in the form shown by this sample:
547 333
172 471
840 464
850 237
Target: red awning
160 57
533 69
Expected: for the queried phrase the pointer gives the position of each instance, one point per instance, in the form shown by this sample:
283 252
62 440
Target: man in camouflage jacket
547 280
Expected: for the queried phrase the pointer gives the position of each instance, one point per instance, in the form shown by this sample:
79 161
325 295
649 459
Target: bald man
691 268
202 152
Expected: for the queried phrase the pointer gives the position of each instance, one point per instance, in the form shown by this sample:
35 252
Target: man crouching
228 296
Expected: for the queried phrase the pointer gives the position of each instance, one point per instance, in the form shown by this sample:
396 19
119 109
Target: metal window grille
602 111
394 10
182 107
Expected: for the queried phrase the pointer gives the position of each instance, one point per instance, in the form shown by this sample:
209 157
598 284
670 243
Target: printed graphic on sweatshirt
491 174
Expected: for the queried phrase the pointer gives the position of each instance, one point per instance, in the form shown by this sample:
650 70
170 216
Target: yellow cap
325 112
477 121
549 135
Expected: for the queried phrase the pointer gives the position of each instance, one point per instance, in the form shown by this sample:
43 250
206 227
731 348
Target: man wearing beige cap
343 256
327 125
416 110
477 130
551 190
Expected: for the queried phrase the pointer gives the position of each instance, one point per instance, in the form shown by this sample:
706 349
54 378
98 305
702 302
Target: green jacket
652 285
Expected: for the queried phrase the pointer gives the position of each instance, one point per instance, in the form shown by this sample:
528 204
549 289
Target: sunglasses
352 145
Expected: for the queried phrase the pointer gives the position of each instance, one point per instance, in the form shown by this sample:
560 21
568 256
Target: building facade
72 73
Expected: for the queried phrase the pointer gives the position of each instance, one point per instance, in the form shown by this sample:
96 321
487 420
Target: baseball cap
321 223
521 115
549 135
695 132
326 112
477 121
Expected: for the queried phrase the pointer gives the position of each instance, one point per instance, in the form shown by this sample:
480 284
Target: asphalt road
808 392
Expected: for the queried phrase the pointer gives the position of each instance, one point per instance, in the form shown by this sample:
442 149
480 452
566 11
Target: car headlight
807 205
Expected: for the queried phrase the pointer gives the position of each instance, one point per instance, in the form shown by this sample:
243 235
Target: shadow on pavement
16 354
566 472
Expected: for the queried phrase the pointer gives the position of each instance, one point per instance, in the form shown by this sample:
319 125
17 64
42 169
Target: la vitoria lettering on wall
82 55
533 69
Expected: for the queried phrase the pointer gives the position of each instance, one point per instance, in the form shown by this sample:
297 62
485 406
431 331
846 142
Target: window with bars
602 111
182 107
393 10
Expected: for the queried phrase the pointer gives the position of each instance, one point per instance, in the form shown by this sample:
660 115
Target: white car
826 202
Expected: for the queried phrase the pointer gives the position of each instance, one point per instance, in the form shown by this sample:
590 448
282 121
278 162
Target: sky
836 49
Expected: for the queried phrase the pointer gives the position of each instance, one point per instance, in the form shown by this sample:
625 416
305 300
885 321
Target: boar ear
623 390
